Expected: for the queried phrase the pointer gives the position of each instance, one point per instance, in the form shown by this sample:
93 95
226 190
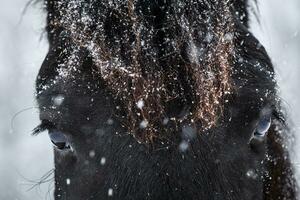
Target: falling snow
103 161
144 124
166 121
183 146
92 154
189 133
110 121
251 174
68 181
110 192
140 104
58 100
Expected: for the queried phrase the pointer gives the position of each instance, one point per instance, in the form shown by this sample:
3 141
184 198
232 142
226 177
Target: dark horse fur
159 99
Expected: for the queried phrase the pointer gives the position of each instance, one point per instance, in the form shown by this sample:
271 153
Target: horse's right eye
59 140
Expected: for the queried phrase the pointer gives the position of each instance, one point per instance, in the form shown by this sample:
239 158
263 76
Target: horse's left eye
59 140
263 126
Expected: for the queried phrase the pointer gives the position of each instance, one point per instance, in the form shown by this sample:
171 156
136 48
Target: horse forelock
151 55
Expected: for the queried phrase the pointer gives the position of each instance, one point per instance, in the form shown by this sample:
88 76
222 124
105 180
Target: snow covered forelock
85 30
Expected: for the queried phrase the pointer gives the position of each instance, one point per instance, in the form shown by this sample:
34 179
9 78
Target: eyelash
45 125
279 116
58 139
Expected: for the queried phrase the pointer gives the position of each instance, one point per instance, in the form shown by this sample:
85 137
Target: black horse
161 99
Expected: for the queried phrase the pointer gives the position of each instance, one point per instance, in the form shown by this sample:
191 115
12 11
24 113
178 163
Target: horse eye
263 126
261 130
59 140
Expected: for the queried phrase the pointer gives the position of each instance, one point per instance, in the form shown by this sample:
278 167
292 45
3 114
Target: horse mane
157 58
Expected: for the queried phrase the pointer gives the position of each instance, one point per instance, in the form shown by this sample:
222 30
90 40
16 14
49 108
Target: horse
161 99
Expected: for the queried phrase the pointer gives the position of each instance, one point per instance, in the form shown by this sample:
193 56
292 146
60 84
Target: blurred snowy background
24 159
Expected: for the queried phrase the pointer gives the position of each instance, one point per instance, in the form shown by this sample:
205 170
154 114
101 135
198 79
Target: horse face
98 157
